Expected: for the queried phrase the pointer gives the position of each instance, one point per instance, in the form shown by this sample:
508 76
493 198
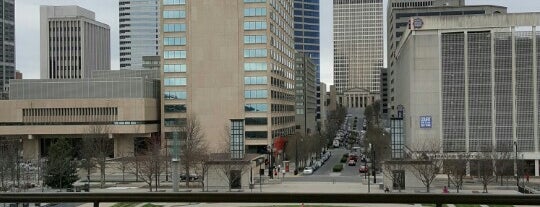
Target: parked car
363 169
192 177
308 171
352 163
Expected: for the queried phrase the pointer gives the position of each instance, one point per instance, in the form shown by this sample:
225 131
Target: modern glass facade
7 60
139 31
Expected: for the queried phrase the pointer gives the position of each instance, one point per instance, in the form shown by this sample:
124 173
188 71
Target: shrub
337 168
343 160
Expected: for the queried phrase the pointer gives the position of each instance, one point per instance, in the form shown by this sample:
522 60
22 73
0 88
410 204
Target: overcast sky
27 29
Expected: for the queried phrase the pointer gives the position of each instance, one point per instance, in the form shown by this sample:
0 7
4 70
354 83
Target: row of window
175 95
252 12
255 66
177 108
256 107
256 80
252 94
174 14
257 25
175 68
174 41
255 53
179 27
175 81
254 39
174 2
175 122
174 54
256 121
254 1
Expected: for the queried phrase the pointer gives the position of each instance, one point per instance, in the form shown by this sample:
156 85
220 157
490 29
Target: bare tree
193 147
455 168
230 170
121 164
426 165
149 164
8 162
503 164
395 170
485 166
98 146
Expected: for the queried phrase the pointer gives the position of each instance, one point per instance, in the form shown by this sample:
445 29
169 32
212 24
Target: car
352 163
192 177
307 171
363 169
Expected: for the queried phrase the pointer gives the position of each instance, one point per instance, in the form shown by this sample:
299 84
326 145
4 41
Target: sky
27 29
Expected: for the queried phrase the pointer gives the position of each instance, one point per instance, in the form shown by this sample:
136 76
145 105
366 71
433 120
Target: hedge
337 168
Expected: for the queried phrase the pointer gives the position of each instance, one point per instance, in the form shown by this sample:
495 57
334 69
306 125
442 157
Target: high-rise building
7 60
73 43
470 84
306 96
225 61
401 11
138 32
358 50
307 37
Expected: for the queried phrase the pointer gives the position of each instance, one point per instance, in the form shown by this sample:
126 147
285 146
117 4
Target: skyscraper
7 60
307 37
225 61
358 50
73 43
138 32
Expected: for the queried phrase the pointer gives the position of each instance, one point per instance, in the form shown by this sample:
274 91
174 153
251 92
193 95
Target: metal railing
387 198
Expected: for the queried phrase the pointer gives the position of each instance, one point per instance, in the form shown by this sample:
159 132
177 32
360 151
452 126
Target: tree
455 168
149 164
97 147
395 170
426 166
193 147
121 164
8 162
373 113
485 164
60 170
503 164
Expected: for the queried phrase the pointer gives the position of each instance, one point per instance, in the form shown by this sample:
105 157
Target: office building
7 60
122 105
138 32
384 93
323 109
73 43
306 99
307 37
225 61
358 51
401 11
471 82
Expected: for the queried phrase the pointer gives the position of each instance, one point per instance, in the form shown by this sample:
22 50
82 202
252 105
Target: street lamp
270 168
515 165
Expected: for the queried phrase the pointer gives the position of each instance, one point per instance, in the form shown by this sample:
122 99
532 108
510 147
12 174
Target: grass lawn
124 205
151 205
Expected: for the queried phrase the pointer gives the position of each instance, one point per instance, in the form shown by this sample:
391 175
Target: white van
336 143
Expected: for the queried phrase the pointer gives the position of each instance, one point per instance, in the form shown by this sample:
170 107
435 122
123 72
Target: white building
138 31
73 43
470 83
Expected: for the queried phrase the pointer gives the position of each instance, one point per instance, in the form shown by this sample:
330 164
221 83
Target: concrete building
73 43
7 60
384 93
358 51
139 24
471 84
18 74
307 38
123 108
321 123
306 100
229 60
151 62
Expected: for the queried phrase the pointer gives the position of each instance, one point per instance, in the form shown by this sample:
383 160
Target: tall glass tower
306 36
7 60
138 32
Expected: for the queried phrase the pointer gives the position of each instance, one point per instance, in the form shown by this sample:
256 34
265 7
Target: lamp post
270 168
373 163
367 172
296 156
515 165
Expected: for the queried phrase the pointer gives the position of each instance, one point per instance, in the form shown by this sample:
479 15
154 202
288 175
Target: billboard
425 122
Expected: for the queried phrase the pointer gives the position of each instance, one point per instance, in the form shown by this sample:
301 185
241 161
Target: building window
237 139
174 54
175 95
174 14
252 94
257 80
254 39
174 41
260 25
257 135
174 27
253 12
254 1
174 2
256 121
175 81
256 107
255 66
179 108
174 68
175 122
254 53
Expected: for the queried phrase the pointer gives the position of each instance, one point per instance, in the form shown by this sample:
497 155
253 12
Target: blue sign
425 122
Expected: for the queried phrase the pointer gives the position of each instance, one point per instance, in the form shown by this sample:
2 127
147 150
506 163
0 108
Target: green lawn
124 205
151 205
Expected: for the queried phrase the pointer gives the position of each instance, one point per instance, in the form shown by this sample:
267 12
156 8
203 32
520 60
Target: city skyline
27 29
